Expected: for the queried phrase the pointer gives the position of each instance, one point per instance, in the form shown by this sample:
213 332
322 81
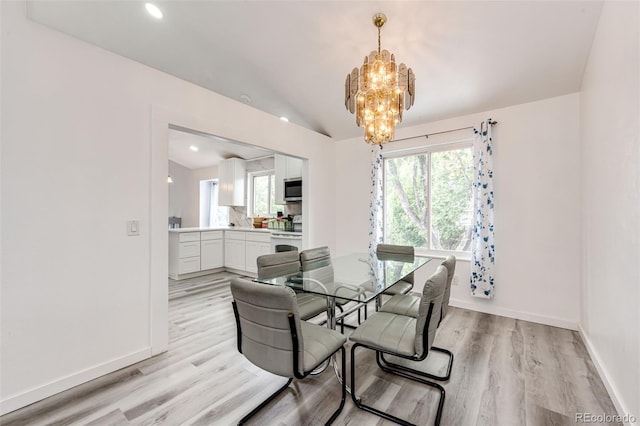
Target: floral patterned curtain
483 237
375 200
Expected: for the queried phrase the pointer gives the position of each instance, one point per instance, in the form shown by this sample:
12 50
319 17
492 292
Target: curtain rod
491 122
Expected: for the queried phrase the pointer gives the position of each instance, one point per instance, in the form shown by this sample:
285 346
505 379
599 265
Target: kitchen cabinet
195 252
211 250
184 253
256 245
285 168
201 251
232 177
234 250
293 168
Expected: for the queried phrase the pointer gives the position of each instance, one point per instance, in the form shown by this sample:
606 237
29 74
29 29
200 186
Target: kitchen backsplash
293 209
238 215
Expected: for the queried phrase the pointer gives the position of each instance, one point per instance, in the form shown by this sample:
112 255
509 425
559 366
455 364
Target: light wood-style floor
506 372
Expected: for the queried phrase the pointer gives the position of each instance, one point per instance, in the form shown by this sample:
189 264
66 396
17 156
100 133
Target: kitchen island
200 251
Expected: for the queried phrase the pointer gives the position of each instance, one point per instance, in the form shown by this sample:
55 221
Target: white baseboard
195 274
604 375
35 394
509 313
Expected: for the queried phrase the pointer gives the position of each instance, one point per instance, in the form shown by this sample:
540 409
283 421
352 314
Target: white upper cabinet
285 168
294 168
232 182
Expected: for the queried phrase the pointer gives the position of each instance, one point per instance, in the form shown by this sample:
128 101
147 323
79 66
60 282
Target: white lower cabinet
257 244
211 250
184 253
188 265
202 252
190 249
191 252
234 247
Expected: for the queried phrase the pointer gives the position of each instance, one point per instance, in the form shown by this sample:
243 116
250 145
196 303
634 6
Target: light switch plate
455 280
133 227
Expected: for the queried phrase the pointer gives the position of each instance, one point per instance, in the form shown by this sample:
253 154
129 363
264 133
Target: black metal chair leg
365 314
389 366
426 382
286 385
357 401
265 402
344 388
344 324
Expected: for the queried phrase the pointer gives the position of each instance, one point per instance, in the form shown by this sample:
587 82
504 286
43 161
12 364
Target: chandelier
379 91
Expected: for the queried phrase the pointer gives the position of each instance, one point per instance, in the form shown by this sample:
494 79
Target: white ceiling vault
210 150
291 57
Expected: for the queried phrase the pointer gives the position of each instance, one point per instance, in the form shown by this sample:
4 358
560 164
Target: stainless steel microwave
293 190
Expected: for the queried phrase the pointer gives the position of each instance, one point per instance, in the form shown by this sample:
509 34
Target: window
211 214
262 197
428 198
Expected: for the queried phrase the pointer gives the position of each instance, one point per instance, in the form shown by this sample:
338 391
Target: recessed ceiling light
193 148
153 10
285 119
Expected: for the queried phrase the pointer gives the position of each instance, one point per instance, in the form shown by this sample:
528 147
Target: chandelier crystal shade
379 91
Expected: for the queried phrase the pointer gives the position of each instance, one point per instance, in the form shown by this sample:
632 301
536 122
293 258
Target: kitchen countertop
234 228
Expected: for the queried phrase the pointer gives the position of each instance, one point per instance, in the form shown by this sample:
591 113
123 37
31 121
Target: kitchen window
262 199
428 198
211 214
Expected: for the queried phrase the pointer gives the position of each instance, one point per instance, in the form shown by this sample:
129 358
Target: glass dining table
355 277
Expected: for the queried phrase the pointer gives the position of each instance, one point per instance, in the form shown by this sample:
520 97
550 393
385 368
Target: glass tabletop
359 277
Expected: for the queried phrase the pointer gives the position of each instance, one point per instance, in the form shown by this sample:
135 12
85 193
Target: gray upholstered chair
316 265
285 263
404 337
392 251
450 264
272 336
408 305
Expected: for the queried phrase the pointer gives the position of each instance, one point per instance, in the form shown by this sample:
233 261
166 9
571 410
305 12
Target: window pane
223 216
428 200
451 202
261 195
406 204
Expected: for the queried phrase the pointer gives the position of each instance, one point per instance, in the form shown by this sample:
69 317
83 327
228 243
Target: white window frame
251 175
424 149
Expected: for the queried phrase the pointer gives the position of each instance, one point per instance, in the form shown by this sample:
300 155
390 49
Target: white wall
610 137
184 199
184 192
537 207
84 148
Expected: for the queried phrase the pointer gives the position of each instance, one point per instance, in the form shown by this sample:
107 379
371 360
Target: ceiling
291 58
211 149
